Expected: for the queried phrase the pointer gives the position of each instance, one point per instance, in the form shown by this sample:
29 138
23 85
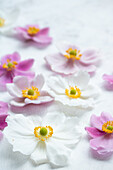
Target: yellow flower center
31 93
108 127
33 30
2 21
73 54
43 133
73 92
10 65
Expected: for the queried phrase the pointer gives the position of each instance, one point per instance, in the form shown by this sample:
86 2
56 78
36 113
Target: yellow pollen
33 30
32 96
76 94
2 21
10 65
73 54
108 127
37 132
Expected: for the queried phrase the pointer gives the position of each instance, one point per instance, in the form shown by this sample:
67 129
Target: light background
86 23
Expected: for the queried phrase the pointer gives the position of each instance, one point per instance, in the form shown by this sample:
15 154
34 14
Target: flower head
8 20
101 133
71 59
34 33
48 139
28 91
3 115
73 91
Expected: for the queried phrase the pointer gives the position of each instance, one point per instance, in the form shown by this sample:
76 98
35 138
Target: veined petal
25 65
21 82
39 155
40 100
38 81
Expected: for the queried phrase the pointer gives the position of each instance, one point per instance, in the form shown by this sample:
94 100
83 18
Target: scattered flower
71 59
8 20
27 91
11 66
47 140
74 90
3 115
35 33
101 132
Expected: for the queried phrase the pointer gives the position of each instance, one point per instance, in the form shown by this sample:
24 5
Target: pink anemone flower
70 59
35 33
3 115
25 91
11 66
101 133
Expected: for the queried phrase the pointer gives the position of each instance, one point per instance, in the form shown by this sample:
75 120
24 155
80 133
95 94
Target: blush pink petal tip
21 68
41 38
108 78
101 142
61 65
3 116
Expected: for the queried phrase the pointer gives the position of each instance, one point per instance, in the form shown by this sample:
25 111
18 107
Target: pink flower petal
108 78
44 31
3 114
98 121
103 145
23 32
88 68
28 74
25 65
60 64
93 132
42 39
90 57
13 57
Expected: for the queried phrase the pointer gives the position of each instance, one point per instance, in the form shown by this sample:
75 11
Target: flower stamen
43 133
73 54
2 22
33 30
108 127
31 93
73 92
10 65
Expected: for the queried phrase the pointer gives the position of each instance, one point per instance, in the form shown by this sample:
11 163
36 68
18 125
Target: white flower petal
14 90
58 155
17 103
80 80
91 91
57 84
21 82
40 100
20 133
38 81
39 155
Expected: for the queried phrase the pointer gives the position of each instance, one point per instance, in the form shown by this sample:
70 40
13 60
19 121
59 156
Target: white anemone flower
46 140
8 20
73 91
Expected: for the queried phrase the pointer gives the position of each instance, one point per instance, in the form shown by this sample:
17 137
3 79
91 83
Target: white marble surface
87 23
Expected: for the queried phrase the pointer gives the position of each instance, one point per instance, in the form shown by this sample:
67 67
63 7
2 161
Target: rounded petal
93 132
21 130
28 74
58 155
39 155
14 90
64 67
21 82
23 33
40 100
44 31
42 39
98 121
38 81
108 78
90 56
25 65
3 114
103 145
